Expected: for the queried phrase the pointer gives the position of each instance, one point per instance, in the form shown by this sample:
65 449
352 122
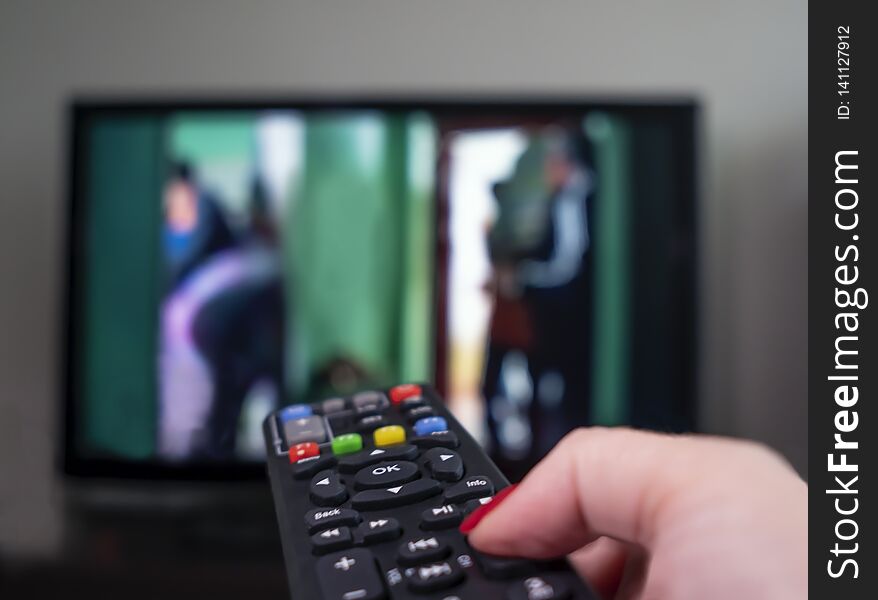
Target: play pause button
332 539
441 517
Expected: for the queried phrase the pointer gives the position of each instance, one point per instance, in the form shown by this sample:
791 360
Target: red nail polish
478 514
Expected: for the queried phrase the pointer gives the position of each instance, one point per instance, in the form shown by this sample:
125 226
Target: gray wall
746 60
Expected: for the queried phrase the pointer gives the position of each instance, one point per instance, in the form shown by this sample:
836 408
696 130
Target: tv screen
534 260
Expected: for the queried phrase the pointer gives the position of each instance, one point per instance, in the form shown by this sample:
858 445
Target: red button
401 392
304 450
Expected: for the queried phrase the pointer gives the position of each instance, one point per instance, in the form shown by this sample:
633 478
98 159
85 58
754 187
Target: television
532 258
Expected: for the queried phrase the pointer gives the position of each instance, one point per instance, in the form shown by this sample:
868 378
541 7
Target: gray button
333 405
306 429
370 402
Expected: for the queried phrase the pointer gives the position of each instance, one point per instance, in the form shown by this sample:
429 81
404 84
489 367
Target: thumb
597 482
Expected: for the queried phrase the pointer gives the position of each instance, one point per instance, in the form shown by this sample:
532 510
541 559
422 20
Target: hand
658 517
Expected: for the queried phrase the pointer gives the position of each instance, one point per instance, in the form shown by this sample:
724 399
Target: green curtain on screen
121 285
359 246
611 139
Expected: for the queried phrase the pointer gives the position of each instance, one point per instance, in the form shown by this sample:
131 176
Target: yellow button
389 435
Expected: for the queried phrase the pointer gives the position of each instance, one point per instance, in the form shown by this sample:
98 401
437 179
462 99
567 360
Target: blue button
296 411
429 425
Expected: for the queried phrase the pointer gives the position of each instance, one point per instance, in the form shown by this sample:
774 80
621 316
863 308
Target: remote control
370 491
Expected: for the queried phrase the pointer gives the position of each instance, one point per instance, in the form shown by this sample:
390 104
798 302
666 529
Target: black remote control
369 492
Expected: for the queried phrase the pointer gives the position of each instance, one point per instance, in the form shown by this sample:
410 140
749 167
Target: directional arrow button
444 464
327 489
400 495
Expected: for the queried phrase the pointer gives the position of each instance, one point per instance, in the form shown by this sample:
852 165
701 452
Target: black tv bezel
80 108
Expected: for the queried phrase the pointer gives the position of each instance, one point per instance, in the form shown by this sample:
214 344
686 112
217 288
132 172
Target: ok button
385 474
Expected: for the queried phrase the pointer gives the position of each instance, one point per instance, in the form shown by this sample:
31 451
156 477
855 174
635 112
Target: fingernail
478 514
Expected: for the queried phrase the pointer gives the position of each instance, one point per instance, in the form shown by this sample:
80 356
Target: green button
347 443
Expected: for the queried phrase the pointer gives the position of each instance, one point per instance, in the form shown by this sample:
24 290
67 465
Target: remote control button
380 530
322 518
306 467
389 436
399 495
477 486
295 411
539 588
371 423
420 412
430 425
370 403
350 575
327 490
347 444
330 540
386 474
355 462
444 464
504 567
341 421
412 402
333 405
305 429
407 390
471 505
421 550
445 439
441 517
435 576
304 450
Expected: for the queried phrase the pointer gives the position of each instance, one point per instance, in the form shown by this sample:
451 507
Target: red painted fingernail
478 514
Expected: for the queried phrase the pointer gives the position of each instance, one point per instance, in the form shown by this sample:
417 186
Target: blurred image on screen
237 260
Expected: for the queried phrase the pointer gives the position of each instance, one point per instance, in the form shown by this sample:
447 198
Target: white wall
746 60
